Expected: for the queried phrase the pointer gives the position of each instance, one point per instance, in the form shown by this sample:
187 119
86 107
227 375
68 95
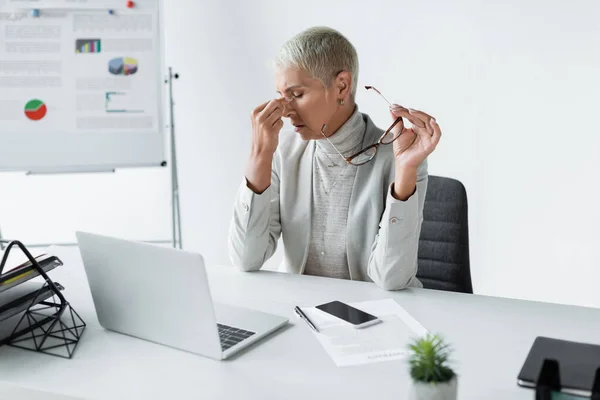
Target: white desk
492 337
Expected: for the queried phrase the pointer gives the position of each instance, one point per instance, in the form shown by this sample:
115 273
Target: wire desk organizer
49 324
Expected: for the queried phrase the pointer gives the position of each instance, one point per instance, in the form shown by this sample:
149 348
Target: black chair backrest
444 241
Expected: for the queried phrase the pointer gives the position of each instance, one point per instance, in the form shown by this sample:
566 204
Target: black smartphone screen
346 312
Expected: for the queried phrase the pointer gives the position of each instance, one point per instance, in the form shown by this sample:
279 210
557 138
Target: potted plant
432 377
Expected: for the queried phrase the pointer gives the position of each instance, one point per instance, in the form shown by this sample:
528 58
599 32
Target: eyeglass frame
374 145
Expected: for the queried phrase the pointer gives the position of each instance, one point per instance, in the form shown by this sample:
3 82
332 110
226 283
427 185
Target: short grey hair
322 52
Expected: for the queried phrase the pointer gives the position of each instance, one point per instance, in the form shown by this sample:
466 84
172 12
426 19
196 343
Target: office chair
443 260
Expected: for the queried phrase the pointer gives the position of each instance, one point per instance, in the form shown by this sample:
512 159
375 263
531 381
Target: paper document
385 341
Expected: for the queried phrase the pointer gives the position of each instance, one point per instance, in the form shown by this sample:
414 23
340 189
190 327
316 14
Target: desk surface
491 336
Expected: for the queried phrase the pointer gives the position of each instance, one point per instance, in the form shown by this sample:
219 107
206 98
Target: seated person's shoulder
288 140
290 148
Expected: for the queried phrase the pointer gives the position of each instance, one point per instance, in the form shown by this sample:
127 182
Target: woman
345 218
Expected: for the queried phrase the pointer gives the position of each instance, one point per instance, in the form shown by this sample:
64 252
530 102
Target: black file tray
49 325
548 384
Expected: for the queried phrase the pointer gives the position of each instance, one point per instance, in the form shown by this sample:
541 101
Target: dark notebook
578 363
26 271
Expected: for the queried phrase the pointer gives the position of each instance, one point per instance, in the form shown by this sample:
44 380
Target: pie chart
35 110
123 66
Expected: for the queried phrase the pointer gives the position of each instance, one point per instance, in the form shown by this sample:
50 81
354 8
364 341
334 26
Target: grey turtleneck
333 179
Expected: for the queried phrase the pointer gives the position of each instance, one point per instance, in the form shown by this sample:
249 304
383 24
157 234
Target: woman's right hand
266 124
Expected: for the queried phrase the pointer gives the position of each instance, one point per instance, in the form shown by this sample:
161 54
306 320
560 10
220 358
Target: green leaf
429 359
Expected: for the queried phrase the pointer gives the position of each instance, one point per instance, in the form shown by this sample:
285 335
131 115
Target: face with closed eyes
309 104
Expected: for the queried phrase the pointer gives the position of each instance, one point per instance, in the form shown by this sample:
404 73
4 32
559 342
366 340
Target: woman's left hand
417 142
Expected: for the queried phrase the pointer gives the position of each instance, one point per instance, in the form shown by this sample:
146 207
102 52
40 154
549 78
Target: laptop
161 294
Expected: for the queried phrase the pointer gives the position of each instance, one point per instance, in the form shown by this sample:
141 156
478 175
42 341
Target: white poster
78 67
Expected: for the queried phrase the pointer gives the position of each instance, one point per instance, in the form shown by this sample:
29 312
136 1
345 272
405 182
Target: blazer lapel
357 203
303 202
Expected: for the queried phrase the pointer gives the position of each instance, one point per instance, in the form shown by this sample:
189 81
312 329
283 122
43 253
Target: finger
430 141
429 127
408 139
423 117
277 111
426 132
437 132
403 112
278 124
274 117
272 106
397 106
424 137
416 138
258 109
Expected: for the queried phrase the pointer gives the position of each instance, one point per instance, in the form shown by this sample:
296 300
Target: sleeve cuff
398 212
247 199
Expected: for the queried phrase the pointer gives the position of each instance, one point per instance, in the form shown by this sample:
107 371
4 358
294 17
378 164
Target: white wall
538 180
131 203
513 85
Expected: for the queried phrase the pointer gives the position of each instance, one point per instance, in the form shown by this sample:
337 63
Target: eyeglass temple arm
378 92
332 145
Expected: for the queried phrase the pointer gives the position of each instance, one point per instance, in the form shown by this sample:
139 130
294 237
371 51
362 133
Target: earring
341 101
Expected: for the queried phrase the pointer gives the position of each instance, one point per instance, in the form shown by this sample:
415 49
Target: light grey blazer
382 233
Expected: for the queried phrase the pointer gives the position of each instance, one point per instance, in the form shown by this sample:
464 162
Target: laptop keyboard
231 336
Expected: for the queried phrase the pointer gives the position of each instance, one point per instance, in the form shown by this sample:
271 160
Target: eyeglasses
368 153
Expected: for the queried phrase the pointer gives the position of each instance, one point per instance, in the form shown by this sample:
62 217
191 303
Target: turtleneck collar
347 138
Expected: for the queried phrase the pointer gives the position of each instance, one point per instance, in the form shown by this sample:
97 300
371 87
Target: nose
288 108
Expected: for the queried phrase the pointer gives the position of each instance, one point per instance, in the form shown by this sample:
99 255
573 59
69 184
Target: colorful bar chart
88 46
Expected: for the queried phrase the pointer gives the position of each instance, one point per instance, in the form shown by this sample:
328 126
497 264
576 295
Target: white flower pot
434 391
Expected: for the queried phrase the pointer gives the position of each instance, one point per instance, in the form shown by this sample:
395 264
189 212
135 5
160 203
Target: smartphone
354 316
